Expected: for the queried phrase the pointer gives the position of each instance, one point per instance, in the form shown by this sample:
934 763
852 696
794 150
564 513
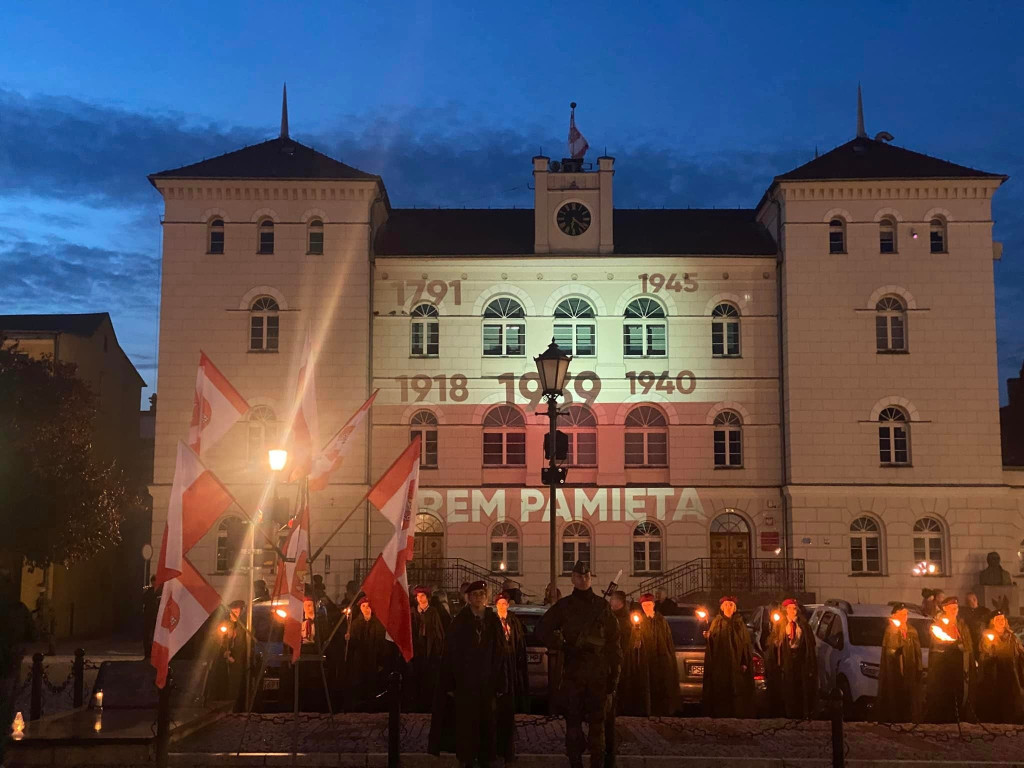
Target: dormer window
837 236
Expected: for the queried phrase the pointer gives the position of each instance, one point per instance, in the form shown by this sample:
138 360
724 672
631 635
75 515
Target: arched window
504 329
646 548
728 440
428 543
504 437
263 431
315 237
837 236
215 235
643 332
575 546
929 543
891 325
730 522
865 546
937 235
424 424
893 437
264 327
230 540
887 235
575 331
266 235
578 422
646 437
505 549
725 331
425 330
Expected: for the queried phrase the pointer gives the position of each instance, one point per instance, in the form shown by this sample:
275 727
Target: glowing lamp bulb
913 234
278 458
223 629
776 616
281 613
501 567
990 636
99 699
18 727
636 618
896 623
778 550
98 725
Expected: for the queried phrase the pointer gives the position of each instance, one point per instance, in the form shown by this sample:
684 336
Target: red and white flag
304 434
333 454
215 407
387 585
577 143
198 499
291 581
185 605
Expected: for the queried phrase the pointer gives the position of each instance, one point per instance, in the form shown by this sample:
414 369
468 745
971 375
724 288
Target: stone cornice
257 190
890 189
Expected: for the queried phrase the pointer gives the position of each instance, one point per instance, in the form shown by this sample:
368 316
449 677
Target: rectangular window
896 326
272 333
900 445
720 448
568 556
920 550
887 241
417 339
733 338
633 340
256 333
428 446
835 242
884 446
504 449
497 556
492 340
267 242
882 333
639 557
576 340
425 338
494 449
872 550
654 556
563 335
586 336
938 242
583 449
515 449
511 557
515 339
316 242
735 457
634 449
217 241
717 339
856 556
656 339
657 449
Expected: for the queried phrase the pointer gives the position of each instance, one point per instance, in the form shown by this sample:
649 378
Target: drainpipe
783 442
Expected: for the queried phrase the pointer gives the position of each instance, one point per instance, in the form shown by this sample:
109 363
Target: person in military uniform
659 650
728 689
792 654
464 720
583 629
951 667
899 673
1000 673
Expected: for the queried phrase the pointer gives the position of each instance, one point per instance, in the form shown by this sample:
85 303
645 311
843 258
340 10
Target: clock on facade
573 218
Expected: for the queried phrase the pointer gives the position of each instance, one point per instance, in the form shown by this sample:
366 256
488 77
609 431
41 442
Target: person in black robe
951 667
728 689
793 657
664 604
464 719
1000 674
366 661
227 674
427 650
659 651
975 617
517 677
899 673
632 695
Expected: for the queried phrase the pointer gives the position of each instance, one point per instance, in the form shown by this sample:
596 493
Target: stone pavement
361 739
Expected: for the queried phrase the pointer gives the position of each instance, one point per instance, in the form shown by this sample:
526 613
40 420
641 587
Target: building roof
510 231
77 325
865 158
280 158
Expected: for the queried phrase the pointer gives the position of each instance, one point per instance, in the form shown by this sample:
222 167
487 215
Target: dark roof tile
78 325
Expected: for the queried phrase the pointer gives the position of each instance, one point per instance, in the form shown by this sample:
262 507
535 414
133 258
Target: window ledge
866 574
504 466
938 253
725 466
215 253
314 253
423 357
486 355
264 253
263 351
892 351
428 466
892 465
506 573
646 574
644 357
727 357
837 253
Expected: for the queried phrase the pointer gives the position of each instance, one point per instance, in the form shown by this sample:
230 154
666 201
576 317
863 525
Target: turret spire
861 133
284 112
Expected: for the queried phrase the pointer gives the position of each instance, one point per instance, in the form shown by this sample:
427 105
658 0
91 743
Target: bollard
163 723
35 710
838 752
78 670
394 720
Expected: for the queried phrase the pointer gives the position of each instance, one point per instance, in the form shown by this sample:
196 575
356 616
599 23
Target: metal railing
707 574
448 573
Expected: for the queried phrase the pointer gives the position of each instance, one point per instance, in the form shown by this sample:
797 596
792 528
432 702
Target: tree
59 501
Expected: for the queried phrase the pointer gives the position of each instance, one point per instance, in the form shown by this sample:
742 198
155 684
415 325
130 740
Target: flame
223 628
18 726
776 616
281 613
896 622
99 699
701 613
941 634
991 637
945 620
636 618
931 568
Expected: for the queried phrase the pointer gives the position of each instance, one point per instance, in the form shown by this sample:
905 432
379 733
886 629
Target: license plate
533 658
271 684
695 670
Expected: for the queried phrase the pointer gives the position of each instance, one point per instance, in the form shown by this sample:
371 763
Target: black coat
658 650
517 686
472 676
951 676
792 671
899 676
633 695
1000 679
368 660
728 670
427 650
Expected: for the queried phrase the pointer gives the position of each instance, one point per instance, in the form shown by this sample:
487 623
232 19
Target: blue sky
701 104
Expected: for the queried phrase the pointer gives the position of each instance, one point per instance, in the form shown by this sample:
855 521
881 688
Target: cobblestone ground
693 737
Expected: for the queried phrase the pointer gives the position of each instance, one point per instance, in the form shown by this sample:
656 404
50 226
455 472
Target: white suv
849 644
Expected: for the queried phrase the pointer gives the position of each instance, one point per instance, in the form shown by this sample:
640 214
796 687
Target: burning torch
613 585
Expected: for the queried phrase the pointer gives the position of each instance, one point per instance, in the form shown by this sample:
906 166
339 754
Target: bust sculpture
995 575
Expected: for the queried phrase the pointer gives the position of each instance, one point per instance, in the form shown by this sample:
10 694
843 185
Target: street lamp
278 458
552 366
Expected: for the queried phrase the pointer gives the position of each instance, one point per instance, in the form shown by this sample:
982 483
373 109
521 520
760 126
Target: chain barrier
56 690
536 720
1009 731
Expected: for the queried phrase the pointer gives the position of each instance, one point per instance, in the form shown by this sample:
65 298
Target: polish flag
215 407
291 581
304 433
332 456
185 605
198 499
387 585
578 145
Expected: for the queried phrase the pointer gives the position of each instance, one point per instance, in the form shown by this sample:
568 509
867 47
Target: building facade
805 390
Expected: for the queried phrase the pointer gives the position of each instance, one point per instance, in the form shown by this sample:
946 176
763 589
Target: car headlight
869 670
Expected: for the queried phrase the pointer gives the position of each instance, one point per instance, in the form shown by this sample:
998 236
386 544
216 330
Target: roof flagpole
861 133
284 112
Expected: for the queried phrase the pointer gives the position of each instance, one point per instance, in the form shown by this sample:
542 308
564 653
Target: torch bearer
613 585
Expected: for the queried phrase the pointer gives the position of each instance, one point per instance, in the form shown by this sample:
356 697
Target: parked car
849 646
760 622
536 652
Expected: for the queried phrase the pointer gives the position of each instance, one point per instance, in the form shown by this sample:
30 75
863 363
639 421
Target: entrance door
428 550
730 552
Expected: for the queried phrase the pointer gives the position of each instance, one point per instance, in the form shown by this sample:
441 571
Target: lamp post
552 366
277 458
